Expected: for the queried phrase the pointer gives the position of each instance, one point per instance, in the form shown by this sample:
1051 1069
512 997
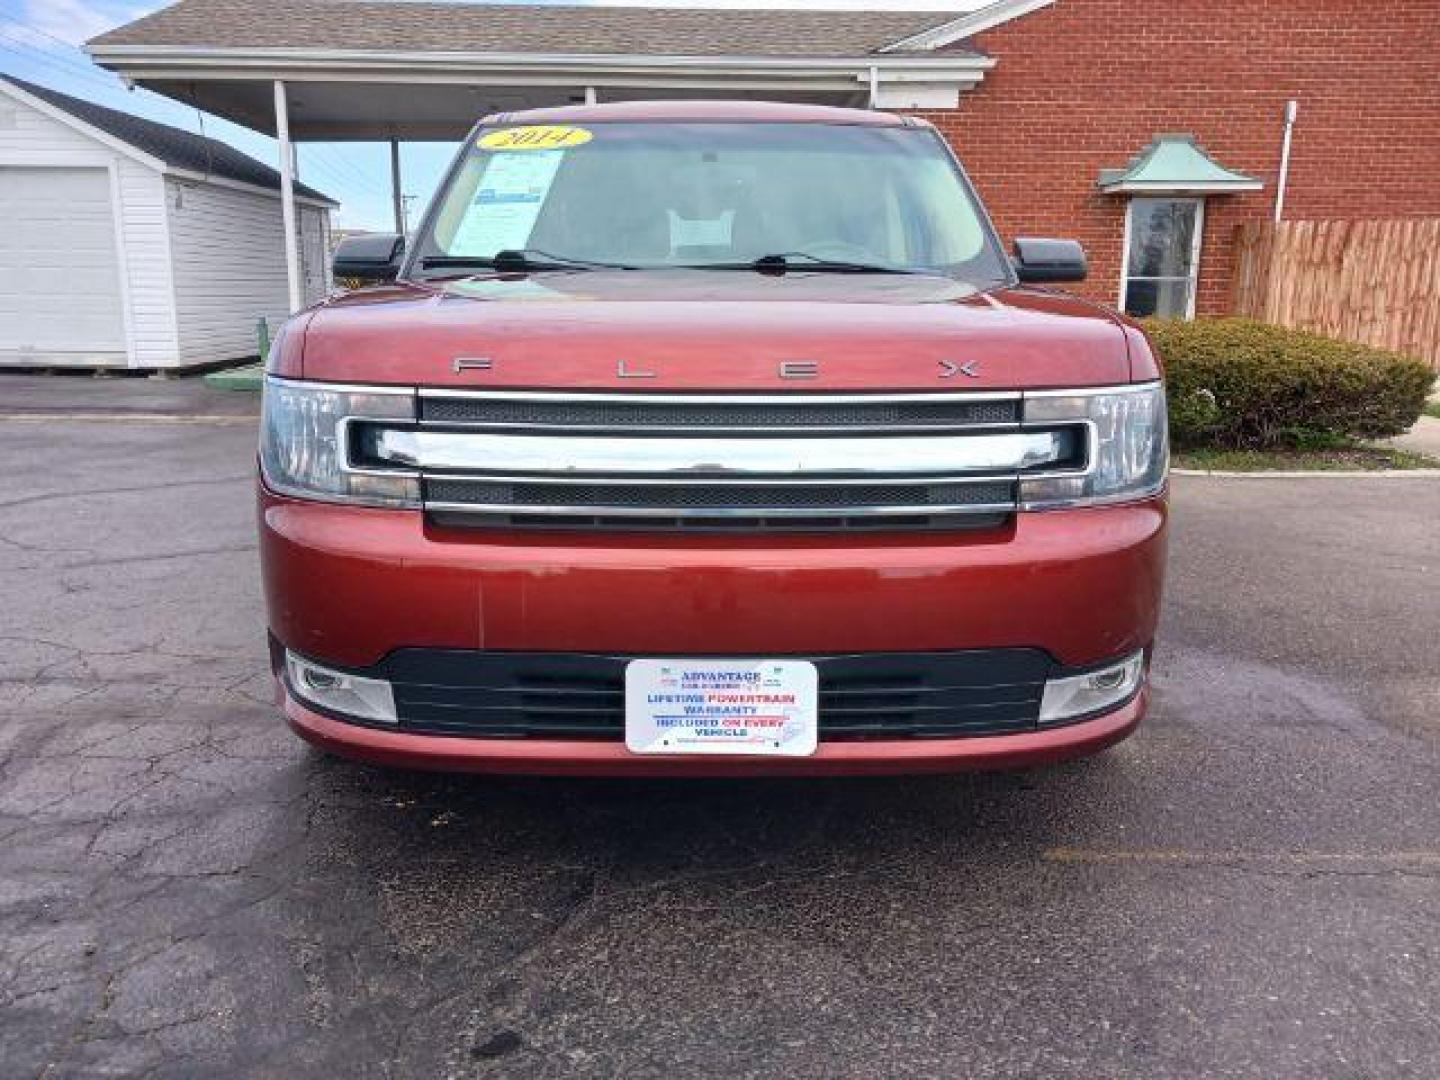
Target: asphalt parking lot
1249 888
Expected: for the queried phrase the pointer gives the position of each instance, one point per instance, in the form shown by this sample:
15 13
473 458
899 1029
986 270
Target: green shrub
1236 383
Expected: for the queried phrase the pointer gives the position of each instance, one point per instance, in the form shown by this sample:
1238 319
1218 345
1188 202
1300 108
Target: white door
59 272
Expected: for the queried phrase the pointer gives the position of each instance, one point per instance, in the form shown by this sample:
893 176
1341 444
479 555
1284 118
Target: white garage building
127 243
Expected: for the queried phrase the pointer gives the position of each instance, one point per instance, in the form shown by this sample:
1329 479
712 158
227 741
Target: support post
590 96
287 197
397 198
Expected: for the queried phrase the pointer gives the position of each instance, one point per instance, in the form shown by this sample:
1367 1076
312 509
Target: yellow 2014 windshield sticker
538 137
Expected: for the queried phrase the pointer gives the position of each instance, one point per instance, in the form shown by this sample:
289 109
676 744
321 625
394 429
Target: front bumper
557 757
349 586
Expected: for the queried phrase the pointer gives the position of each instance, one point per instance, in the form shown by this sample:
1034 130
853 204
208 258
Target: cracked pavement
1248 888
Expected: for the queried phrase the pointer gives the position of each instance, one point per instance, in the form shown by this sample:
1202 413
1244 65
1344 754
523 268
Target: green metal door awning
1175 165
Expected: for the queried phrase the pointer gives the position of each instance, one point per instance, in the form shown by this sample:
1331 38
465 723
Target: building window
1162 257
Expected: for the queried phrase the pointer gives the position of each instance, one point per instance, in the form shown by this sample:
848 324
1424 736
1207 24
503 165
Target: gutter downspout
1292 110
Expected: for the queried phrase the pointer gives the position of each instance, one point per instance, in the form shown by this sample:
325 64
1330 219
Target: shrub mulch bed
1243 385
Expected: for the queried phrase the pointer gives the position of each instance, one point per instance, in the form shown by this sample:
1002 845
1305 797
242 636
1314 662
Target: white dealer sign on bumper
748 707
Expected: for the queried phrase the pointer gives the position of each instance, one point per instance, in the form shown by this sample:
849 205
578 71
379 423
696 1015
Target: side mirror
371 258
1039 262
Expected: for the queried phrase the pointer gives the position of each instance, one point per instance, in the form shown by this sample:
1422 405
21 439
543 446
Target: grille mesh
640 415
660 498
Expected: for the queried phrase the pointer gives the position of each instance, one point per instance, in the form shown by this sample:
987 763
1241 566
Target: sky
40 39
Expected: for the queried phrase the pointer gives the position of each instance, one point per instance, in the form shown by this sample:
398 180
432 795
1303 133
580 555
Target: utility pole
399 200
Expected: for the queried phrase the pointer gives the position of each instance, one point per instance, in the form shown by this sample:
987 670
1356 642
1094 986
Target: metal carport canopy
439 96
319 70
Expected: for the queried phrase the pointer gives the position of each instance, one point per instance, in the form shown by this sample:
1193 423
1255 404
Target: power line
66 65
62 68
319 174
331 179
36 30
356 176
344 165
341 172
21 31
50 61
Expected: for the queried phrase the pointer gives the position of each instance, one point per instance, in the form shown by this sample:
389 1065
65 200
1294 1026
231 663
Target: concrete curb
1317 474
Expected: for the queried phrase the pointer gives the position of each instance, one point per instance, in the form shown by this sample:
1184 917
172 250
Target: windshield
711 195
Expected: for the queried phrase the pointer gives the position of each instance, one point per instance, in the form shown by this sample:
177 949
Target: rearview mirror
1039 261
369 258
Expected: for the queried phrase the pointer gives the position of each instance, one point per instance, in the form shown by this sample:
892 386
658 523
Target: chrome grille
661 461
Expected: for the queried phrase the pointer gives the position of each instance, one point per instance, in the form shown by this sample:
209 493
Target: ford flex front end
711 439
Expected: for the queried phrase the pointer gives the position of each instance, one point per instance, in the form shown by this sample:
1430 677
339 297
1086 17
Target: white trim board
122 261
269 61
975 22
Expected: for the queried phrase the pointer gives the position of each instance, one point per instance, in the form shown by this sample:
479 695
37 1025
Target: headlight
1096 691
304 434
1130 446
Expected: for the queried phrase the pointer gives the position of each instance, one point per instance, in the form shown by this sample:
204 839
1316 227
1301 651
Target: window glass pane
681 194
1162 236
1163 299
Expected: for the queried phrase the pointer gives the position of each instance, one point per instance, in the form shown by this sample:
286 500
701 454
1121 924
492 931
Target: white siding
31 137
228 253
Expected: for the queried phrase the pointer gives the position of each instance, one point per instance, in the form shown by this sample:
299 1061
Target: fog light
1095 691
350 695
315 679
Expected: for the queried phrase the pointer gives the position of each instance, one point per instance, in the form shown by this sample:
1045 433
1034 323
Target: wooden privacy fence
1374 282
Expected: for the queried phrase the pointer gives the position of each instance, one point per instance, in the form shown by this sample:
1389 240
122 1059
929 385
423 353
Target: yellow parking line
1185 856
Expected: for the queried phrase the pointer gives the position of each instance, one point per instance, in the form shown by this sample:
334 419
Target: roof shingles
176 147
521 28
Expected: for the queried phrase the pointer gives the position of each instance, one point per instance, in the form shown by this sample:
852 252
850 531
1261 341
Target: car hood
714 330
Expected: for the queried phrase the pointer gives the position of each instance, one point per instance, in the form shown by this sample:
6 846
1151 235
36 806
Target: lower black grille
820 499
949 521
467 502
582 696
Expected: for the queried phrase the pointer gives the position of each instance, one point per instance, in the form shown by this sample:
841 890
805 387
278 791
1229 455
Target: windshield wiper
803 262
516 261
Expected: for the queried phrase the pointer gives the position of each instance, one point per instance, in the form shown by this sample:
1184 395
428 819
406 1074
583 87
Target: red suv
698 438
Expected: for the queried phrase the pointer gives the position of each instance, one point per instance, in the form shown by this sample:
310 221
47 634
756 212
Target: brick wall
1085 84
